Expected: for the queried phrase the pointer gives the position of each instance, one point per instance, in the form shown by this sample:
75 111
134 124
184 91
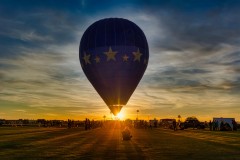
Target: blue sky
193 68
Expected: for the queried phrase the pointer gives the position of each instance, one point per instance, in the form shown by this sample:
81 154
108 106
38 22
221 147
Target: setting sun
120 115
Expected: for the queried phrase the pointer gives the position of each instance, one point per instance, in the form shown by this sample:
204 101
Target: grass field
61 143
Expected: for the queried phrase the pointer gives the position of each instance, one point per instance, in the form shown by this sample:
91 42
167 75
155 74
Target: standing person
234 123
217 125
174 125
210 125
86 124
69 125
214 125
194 124
222 126
155 123
150 125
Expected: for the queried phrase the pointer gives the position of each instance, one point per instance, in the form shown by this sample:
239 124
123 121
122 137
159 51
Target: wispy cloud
194 61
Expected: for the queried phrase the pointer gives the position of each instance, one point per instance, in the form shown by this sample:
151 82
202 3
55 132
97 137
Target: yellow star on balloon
125 58
86 58
137 55
110 54
97 59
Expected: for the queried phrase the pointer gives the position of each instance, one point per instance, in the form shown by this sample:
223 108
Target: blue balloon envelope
114 55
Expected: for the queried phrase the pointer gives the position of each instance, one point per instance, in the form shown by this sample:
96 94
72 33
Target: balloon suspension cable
115 109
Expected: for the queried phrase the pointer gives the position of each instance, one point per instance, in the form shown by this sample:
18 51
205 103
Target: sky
193 69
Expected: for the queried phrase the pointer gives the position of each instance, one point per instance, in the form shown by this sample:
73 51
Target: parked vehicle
192 122
166 123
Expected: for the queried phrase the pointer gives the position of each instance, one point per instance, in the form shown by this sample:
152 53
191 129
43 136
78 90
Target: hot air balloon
114 54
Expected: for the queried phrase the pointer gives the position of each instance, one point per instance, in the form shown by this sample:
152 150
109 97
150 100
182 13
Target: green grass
75 143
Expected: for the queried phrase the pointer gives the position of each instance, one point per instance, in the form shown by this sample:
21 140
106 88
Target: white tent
224 120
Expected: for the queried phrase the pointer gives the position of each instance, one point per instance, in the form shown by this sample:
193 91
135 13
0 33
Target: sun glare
120 115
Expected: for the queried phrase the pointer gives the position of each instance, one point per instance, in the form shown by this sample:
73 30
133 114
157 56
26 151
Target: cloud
193 67
203 23
38 29
19 110
46 79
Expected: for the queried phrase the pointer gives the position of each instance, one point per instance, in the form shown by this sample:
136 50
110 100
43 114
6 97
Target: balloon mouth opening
115 109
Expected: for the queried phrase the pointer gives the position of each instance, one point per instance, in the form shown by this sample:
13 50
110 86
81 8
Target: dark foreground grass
60 143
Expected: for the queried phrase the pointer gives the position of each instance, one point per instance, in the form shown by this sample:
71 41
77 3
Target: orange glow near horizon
120 115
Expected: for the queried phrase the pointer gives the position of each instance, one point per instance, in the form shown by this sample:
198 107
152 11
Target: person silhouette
126 134
174 125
